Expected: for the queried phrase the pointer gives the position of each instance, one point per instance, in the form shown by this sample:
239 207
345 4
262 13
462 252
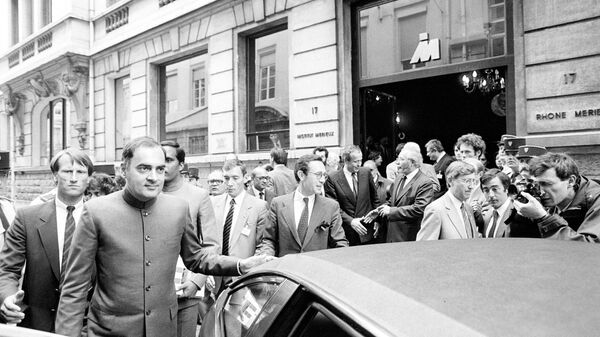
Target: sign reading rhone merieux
581 112
316 134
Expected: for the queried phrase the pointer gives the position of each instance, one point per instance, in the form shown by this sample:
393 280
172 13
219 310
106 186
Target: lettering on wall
582 113
315 135
427 50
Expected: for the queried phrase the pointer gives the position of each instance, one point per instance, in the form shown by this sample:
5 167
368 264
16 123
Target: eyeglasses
215 181
472 182
320 175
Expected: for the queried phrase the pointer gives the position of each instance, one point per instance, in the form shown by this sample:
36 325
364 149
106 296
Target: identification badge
246 231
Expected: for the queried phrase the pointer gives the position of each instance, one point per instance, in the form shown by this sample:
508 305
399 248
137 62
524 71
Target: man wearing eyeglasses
451 216
304 220
40 237
216 184
259 185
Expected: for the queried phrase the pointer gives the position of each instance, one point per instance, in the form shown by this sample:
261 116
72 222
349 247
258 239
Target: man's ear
301 175
55 178
123 170
572 180
181 166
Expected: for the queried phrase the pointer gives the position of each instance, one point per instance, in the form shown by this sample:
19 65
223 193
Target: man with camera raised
572 200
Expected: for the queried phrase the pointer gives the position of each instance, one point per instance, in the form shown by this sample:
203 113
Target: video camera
528 186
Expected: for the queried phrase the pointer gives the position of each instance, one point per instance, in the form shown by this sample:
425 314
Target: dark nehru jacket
135 247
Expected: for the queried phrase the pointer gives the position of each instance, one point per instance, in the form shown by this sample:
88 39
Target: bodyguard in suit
353 188
259 185
435 152
451 216
134 237
283 178
499 206
303 220
411 193
41 237
241 217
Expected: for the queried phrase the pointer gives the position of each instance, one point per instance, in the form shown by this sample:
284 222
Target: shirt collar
134 202
443 153
411 175
504 207
457 203
63 206
346 172
238 199
299 196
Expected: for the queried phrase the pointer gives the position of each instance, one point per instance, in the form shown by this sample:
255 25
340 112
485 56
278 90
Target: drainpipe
91 112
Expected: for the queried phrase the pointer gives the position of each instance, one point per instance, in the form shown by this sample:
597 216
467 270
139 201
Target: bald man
258 187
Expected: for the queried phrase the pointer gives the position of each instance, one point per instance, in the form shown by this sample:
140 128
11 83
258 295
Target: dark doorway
435 107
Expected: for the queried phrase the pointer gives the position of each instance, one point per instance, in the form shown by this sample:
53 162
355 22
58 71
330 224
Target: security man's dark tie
69 230
227 228
3 219
355 184
303 223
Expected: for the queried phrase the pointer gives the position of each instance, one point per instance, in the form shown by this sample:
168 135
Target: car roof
490 287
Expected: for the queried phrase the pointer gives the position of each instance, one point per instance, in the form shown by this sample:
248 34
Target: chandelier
486 81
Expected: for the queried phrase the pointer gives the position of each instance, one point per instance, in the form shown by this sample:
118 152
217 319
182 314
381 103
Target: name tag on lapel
246 230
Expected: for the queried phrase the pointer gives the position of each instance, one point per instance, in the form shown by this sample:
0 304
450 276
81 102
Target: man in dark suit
353 188
435 152
411 193
283 178
303 220
258 185
134 237
494 185
41 237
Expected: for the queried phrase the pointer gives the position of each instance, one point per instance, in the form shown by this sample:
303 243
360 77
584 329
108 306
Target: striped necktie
303 223
227 228
69 230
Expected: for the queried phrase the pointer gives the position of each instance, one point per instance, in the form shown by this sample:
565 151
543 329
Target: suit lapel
315 217
409 185
501 224
241 220
454 217
287 214
343 182
48 235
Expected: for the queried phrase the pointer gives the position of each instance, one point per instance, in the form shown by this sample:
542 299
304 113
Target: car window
254 305
319 321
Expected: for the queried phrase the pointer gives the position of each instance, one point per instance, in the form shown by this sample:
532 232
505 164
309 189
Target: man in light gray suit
451 216
304 220
283 178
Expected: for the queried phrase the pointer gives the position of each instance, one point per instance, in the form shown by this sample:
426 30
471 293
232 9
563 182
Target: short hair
495 173
412 146
399 148
130 148
373 155
179 152
458 168
474 140
348 150
302 164
217 172
279 155
233 163
370 164
321 149
415 157
477 164
77 156
103 183
435 144
254 171
562 163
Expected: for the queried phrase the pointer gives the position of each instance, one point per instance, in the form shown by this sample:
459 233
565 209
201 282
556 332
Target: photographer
573 211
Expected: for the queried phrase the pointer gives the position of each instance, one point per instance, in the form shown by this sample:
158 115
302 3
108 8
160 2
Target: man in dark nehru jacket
134 237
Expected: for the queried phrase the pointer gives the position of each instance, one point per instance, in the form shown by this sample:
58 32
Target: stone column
38 15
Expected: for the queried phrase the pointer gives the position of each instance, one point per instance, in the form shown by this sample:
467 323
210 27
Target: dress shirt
61 219
236 211
257 193
501 212
457 204
299 206
348 176
410 176
442 154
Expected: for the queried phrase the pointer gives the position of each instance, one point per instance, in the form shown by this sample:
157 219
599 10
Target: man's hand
210 284
376 229
384 210
532 210
476 205
358 227
254 261
186 289
10 309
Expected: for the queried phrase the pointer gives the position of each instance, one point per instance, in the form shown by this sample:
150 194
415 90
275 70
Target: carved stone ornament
14 108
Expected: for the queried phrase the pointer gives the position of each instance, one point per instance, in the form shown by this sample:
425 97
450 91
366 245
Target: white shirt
299 205
348 175
501 212
61 219
457 204
410 176
257 193
443 153
239 199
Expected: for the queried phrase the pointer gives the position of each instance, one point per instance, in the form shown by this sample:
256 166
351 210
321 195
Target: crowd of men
149 256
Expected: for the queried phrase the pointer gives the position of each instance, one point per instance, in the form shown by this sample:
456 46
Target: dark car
503 287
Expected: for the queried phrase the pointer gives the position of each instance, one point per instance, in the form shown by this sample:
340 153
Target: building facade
241 77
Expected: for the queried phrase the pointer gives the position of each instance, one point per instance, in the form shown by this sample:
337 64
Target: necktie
400 186
227 228
3 219
303 223
261 195
69 230
493 228
467 220
355 184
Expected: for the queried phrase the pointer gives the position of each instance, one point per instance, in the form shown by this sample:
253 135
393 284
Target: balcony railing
28 50
14 59
44 42
117 19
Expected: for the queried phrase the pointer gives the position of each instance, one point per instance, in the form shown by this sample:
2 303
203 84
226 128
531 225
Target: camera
531 187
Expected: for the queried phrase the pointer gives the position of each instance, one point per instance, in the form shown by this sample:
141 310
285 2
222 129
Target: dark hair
77 156
495 173
348 150
179 152
130 148
562 163
474 140
232 163
373 155
302 164
279 155
435 144
399 148
458 168
321 149
103 183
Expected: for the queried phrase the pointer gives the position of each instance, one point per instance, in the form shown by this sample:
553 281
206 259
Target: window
46 12
53 129
184 102
15 22
122 114
322 322
199 87
268 96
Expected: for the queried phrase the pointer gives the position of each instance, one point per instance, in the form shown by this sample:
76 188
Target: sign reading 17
569 78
